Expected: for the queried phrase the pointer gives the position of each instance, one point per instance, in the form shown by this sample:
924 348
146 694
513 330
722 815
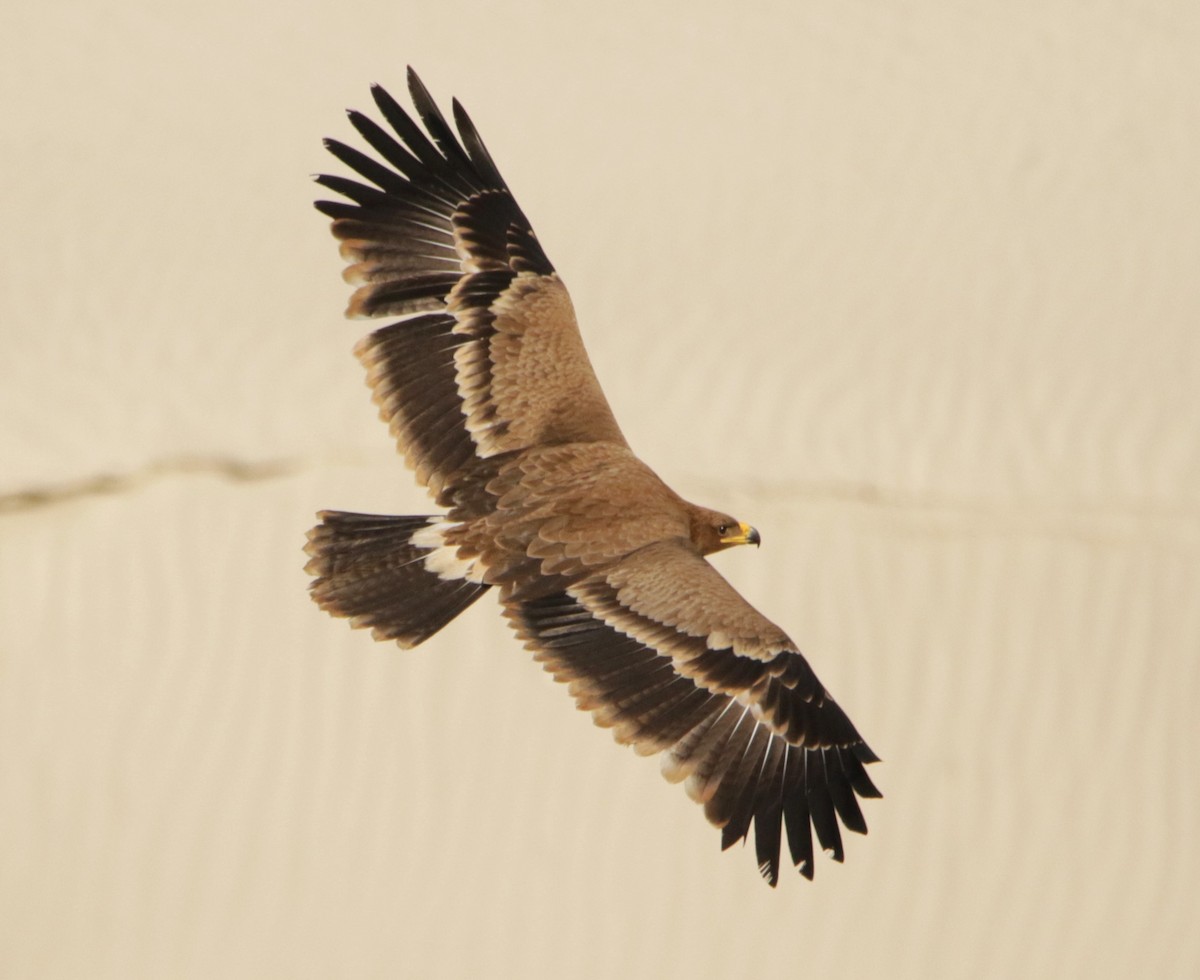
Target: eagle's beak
745 535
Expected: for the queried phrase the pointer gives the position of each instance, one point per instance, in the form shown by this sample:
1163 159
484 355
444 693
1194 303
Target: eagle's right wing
488 357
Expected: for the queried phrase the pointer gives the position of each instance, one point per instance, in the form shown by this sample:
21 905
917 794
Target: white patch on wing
442 559
472 374
719 640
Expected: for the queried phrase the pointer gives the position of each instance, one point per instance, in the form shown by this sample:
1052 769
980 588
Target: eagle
599 566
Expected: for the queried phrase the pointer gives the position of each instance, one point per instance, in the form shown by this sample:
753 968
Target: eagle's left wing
663 650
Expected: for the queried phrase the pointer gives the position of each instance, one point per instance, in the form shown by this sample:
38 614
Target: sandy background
922 281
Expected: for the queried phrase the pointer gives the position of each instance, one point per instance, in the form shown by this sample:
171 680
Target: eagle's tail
396 575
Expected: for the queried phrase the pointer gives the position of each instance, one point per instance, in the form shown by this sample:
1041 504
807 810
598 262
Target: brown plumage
599 565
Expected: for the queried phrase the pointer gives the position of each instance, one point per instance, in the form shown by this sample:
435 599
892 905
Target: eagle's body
599 565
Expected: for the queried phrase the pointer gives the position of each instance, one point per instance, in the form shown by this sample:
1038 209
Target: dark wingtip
416 87
731 834
378 93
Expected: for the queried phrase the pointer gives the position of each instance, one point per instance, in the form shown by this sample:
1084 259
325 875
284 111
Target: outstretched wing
488 357
663 650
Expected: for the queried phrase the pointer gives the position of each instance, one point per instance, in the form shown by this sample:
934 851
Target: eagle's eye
722 528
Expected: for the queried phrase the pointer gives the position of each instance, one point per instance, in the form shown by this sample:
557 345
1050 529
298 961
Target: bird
600 568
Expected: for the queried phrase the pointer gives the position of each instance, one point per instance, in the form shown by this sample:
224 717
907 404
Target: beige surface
925 278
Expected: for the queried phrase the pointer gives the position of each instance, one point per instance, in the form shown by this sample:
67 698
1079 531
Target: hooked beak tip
745 535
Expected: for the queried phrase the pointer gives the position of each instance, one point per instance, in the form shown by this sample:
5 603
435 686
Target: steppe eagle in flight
599 566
